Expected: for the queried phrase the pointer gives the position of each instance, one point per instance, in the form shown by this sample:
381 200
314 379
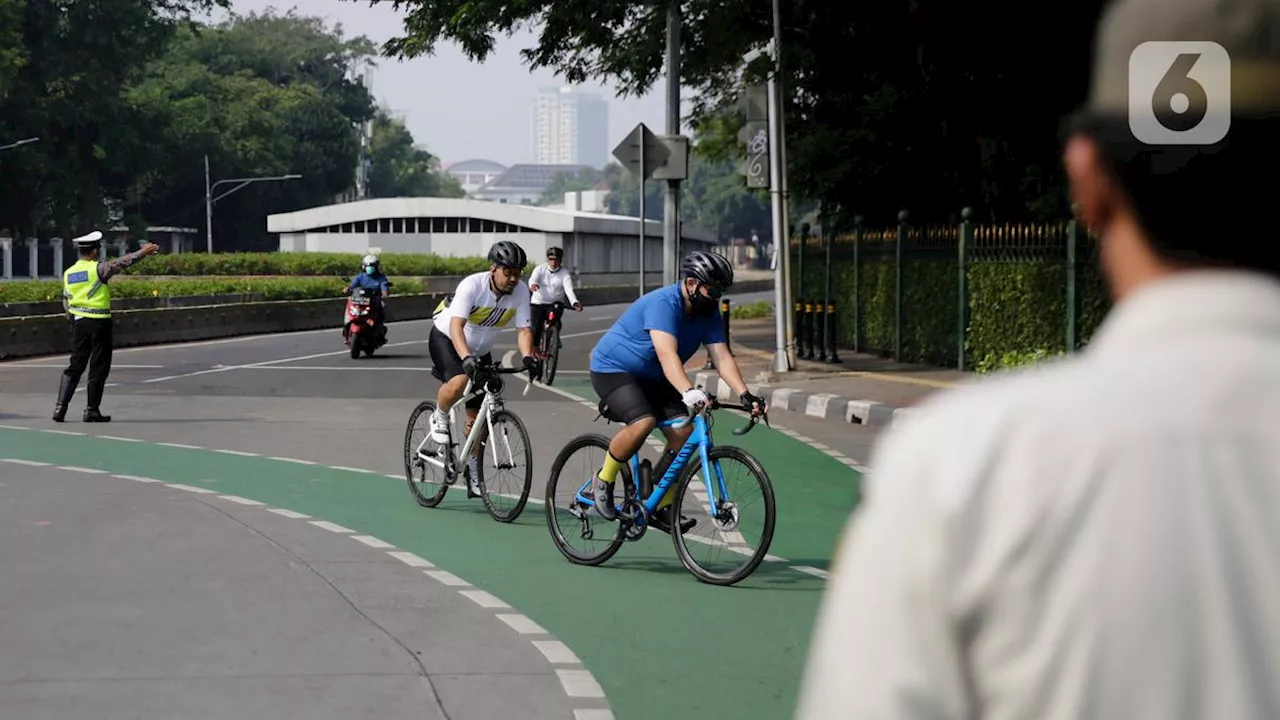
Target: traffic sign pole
642 183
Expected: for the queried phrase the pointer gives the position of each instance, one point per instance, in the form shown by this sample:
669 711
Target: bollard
831 334
809 319
820 321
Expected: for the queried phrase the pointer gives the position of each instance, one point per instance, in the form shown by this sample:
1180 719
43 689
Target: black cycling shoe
661 519
603 497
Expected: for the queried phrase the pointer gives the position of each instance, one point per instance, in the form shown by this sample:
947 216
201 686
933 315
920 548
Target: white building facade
601 249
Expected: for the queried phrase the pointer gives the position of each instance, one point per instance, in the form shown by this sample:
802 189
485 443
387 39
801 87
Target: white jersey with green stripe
487 313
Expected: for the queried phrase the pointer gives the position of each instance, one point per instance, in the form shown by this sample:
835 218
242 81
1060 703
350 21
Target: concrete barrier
50 334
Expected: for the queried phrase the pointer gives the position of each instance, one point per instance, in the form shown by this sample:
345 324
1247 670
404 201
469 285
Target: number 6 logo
1179 93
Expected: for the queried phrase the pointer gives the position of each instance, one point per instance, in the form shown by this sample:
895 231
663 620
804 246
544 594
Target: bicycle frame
700 440
484 420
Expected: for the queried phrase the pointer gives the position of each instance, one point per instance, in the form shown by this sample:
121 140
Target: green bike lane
647 630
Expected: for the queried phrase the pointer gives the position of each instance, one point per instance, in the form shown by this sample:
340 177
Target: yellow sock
612 466
667 499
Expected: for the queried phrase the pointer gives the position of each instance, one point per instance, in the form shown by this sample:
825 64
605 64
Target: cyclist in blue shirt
637 369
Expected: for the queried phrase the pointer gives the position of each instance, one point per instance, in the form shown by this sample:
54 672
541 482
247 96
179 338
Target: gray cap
1247 30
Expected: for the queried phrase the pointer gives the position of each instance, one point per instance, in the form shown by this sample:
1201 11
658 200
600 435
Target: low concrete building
599 248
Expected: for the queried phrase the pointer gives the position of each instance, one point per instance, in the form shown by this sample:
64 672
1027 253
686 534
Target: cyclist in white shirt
550 284
464 332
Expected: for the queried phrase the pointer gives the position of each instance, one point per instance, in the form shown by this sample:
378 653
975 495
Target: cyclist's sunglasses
713 291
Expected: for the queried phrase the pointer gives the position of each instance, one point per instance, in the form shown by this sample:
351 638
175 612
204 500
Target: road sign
755 103
641 144
676 166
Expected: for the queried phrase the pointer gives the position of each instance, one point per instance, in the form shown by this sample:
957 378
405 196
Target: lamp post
209 199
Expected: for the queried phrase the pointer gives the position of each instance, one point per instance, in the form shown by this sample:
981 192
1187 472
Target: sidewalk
863 389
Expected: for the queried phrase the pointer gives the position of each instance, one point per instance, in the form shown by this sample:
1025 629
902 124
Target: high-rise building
570 127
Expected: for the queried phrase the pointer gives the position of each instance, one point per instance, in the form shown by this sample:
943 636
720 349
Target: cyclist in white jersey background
550 284
464 333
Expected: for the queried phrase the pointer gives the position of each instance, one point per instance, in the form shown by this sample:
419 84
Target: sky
455 108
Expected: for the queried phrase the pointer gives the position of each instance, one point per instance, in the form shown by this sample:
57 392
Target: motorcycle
365 329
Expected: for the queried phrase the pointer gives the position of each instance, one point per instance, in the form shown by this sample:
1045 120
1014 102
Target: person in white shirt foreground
1099 537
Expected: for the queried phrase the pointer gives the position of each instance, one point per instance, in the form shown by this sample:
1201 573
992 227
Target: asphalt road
502 627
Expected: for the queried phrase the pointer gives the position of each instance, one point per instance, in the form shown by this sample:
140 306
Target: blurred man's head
1160 208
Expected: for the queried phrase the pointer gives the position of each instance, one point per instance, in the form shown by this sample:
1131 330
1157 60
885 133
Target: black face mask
702 305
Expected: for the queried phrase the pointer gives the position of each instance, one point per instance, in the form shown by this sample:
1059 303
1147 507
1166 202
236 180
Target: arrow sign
641 143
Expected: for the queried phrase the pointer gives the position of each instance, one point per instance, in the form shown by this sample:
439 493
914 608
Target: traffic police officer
87 299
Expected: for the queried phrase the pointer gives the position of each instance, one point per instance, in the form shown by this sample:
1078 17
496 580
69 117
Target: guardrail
35 335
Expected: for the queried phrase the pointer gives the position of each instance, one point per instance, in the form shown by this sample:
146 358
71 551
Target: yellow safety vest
87 296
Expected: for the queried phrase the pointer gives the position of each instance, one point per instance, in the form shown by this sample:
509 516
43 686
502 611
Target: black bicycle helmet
507 254
708 268
555 252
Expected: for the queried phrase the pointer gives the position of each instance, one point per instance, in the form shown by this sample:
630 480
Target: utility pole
671 208
208 209
784 255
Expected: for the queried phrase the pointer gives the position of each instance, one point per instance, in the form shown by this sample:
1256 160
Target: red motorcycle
364 329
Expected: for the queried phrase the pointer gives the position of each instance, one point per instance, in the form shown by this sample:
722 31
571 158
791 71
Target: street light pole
784 258
20 142
781 361
209 199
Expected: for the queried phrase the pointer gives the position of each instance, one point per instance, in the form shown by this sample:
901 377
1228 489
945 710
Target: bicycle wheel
728 520
509 455
552 339
416 470
579 517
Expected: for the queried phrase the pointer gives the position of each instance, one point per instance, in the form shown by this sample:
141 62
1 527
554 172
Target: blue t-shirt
372 282
627 346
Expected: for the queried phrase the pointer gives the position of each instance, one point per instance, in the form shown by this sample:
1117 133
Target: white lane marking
241 453
556 652
288 513
241 500
191 489
180 446
579 683
136 478
294 460
352 469
118 438
410 559
522 624
593 714
64 432
447 578
13 427
484 599
372 541
331 527
63 366
264 363
31 463
91 471
816 572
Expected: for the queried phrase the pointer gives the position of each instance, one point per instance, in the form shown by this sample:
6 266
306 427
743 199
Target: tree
928 106
400 169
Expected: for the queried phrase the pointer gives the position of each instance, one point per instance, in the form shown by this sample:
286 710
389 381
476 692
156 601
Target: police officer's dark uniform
87 299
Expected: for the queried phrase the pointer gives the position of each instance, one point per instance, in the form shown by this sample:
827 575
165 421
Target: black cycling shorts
630 398
447 363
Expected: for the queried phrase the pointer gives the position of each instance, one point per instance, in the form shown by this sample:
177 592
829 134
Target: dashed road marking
288 513
484 599
522 624
410 559
331 527
191 489
372 541
90 471
241 500
447 578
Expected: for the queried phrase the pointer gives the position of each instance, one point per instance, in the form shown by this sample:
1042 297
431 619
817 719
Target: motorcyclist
371 278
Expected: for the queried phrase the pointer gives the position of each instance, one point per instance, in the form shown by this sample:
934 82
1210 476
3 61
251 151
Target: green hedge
1016 309
125 287
302 264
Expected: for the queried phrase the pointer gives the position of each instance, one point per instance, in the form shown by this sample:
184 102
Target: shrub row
1016 310
302 264
302 288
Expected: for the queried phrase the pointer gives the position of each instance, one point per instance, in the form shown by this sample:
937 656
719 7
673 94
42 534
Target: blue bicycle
705 505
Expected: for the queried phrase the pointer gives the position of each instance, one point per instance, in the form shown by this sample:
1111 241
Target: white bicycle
426 457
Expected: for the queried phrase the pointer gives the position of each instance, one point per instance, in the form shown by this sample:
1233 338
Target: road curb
825 406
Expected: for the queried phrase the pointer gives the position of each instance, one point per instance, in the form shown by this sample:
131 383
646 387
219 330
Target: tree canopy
129 97
901 104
